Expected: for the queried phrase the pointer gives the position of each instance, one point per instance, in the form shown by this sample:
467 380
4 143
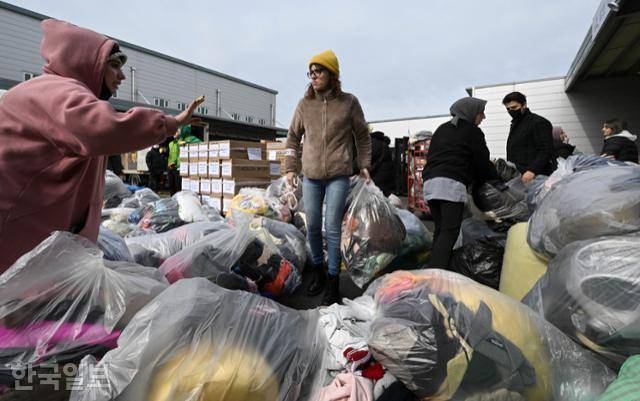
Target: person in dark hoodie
619 144
457 157
382 163
561 146
56 132
530 142
156 164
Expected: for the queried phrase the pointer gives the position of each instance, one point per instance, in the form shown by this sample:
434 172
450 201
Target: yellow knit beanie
328 60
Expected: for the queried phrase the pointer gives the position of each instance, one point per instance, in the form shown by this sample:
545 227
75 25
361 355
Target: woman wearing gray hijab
457 157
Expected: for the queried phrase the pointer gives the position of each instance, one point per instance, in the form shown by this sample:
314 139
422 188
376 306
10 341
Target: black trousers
174 180
447 217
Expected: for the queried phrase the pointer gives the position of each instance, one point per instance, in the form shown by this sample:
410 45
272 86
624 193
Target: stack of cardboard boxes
276 154
218 170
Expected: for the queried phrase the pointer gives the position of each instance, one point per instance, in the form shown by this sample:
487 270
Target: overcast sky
400 58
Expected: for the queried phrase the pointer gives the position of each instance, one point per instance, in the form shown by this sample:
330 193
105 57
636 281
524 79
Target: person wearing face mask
329 119
530 142
619 144
56 132
457 157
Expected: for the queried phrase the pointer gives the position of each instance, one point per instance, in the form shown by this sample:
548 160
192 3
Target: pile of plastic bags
587 204
447 337
114 190
199 341
256 201
139 199
591 291
63 300
503 202
417 243
372 233
113 246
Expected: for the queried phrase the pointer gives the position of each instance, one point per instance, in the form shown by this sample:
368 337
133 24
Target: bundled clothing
60 115
382 163
530 144
622 146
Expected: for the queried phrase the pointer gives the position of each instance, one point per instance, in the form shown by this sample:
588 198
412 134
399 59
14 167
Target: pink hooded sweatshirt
55 134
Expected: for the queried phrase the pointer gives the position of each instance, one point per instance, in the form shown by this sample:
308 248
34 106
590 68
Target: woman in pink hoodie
56 132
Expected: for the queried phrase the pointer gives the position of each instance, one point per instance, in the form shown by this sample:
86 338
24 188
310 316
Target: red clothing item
55 134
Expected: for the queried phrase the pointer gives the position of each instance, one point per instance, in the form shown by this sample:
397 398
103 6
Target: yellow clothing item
328 60
521 267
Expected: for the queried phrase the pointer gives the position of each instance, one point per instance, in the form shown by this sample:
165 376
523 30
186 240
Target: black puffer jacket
381 163
622 147
530 144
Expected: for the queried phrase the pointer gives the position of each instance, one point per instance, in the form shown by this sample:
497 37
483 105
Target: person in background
619 144
561 146
329 119
56 132
181 138
382 163
530 142
457 157
156 165
114 163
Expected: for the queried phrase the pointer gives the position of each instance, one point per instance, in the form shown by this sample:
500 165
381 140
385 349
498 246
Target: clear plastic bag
447 337
153 250
587 204
118 221
197 341
113 246
256 201
140 198
288 195
62 301
189 207
591 291
214 257
161 216
417 243
372 233
503 202
114 190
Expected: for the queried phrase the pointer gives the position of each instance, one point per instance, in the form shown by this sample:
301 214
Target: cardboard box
216 187
193 151
275 169
244 169
205 186
214 150
195 186
226 205
203 169
216 202
193 168
184 169
214 169
231 187
186 184
243 150
184 153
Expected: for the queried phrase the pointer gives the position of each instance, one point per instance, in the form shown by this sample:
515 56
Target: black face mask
515 114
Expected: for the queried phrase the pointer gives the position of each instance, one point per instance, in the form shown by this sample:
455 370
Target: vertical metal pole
218 106
133 84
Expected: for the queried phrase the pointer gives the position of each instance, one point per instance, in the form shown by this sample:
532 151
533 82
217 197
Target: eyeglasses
315 73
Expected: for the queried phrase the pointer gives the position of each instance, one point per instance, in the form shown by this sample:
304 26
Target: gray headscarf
467 109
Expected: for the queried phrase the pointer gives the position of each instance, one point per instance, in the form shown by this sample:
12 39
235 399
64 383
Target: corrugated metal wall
20 37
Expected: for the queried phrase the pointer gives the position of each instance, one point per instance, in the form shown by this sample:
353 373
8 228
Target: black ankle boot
332 292
318 280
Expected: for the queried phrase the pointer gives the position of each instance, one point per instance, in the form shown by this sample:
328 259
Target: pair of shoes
318 280
332 292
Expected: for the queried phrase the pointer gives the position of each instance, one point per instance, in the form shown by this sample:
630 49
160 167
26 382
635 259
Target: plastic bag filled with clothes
289 195
214 257
587 204
591 291
189 207
372 233
114 190
480 252
152 250
255 201
117 220
197 341
289 241
62 301
503 202
161 216
447 337
566 167
140 198
417 243
507 171
113 246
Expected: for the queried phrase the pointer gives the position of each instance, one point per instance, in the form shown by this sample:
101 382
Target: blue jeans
334 192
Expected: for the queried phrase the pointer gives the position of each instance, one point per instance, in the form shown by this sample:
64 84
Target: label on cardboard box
228 187
205 186
226 205
203 169
193 148
273 155
225 168
224 150
202 147
216 186
254 153
193 168
195 186
213 146
184 152
214 169
274 169
186 184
